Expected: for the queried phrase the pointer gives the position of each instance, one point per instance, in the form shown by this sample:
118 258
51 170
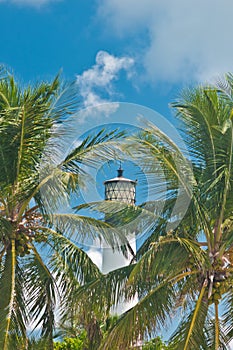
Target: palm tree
185 268
39 261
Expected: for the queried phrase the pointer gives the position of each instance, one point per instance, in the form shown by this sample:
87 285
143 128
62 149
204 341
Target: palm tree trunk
216 326
11 295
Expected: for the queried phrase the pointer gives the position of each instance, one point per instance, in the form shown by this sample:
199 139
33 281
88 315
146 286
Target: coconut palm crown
39 260
184 270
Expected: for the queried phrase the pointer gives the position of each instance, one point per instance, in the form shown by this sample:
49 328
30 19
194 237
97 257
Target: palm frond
68 261
190 332
149 314
104 292
84 229
41 287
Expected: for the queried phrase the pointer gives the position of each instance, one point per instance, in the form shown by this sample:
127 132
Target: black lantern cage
120 189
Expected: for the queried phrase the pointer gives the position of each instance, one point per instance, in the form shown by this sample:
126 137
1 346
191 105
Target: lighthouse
123 190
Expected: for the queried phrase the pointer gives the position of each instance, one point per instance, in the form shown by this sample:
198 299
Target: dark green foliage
156 344
77 343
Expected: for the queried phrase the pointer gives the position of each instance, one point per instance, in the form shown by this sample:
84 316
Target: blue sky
143 52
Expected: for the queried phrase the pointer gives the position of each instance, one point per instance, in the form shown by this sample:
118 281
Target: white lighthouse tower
123 190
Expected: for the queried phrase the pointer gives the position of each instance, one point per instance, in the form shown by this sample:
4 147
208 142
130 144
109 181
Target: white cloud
96 256
34 3
184 39
96 84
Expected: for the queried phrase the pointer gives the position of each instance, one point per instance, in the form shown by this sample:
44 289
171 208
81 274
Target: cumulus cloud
34 3
96 85
184 39
96 256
